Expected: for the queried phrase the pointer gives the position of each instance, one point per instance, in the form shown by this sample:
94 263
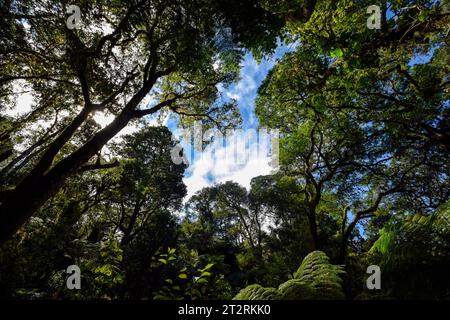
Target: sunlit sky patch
211 166
207 169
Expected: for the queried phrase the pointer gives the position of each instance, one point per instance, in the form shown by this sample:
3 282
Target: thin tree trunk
313 230
127 232
344 241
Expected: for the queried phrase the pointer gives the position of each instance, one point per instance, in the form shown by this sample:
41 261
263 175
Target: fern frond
257 292
322 277
315 279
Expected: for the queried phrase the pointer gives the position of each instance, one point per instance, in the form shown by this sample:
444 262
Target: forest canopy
364 150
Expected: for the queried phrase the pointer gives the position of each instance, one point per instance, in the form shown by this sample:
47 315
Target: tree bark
127 237
344 240
343 248
313 230
39 186
35 190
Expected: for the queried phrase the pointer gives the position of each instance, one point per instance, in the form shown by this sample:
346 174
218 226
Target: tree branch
98 166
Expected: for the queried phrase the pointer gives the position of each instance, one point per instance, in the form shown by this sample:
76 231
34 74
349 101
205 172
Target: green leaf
163 261
336 53
208 266
202 280
182 276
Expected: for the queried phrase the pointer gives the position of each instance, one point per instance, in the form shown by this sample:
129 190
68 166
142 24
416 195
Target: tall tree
335 142
148 182
121 53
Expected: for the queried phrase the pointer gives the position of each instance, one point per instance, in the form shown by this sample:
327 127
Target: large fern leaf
315 279
422 237
321 277
295 289
257 292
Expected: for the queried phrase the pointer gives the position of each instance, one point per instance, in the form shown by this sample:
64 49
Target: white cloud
207 169
233 96
239 159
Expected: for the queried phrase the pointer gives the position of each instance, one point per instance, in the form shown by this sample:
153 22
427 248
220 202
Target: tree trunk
343 249
126 239
344 241
35 189
42 183
313 230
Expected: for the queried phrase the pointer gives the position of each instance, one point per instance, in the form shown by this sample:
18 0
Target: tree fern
316 278
320 276
412 251
295 289
257 292
413 236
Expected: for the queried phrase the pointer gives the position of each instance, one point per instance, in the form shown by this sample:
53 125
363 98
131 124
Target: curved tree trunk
36 189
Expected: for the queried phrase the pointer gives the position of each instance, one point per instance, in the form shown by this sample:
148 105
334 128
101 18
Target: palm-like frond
315 279
257 292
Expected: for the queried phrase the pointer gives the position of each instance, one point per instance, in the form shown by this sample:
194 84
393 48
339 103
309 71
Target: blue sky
210 166
206 169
